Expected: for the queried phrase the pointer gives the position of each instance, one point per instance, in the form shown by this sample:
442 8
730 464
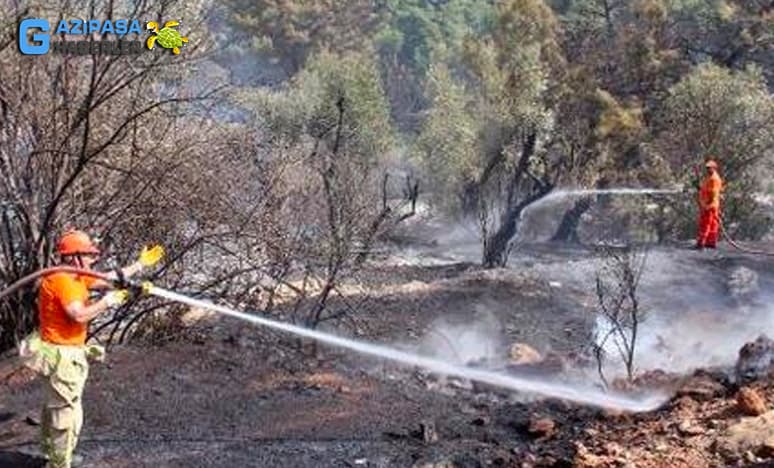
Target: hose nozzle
135 288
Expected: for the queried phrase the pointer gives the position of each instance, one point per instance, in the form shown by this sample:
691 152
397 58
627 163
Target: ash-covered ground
231 397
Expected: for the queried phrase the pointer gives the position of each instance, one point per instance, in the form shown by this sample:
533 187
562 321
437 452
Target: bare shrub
93 142
619 305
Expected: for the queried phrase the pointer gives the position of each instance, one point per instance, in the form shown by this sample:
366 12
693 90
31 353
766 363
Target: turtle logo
166 37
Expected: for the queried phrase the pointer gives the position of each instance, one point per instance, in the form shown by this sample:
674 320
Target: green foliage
590 16
354 78
729 116
416 33
617 119
510 70
288 31
714 110
476 122
307 106
527 22
446 146
731 32
708 10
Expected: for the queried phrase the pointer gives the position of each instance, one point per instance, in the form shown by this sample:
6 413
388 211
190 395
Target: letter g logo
39 43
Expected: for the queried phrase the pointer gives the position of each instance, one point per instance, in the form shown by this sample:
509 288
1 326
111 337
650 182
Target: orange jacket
55 294
709 193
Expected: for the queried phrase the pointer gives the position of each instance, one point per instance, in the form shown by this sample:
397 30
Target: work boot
698 247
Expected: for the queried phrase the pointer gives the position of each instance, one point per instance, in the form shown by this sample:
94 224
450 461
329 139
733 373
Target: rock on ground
755 359
751 434
750 402
521 353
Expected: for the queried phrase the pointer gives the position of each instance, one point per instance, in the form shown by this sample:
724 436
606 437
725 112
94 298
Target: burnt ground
233 398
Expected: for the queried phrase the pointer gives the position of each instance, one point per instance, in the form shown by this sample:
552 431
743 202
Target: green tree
288 31
730 32
446 147
307 105
730 116
332 120
414 34
503 157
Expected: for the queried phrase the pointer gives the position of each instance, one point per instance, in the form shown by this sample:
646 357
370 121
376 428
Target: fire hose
18 284
725 233
734 244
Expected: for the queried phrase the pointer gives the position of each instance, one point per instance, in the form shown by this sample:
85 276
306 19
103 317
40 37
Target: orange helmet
711 164
76 242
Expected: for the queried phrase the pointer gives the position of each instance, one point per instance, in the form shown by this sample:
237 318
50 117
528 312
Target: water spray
560 390
613 191
557 195
561 194
553 389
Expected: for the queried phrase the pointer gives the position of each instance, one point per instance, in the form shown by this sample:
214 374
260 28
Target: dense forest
497 103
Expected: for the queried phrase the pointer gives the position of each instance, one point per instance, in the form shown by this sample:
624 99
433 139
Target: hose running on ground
734 244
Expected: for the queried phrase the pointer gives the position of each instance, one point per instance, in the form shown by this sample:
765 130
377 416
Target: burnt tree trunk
568 228
497 245
17 311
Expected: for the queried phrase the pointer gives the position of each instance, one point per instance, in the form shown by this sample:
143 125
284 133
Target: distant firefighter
709 207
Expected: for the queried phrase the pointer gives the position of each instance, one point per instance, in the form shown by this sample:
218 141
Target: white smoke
690 331
690 342
478 340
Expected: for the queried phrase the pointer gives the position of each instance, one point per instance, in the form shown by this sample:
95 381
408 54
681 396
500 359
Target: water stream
561 390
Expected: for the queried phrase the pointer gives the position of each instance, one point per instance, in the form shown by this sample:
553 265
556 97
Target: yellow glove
151 255
146 287
117 297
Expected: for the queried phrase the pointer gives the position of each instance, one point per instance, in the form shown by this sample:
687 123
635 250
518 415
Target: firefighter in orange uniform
58 350
709 207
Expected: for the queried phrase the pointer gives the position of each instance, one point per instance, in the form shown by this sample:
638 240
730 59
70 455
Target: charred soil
237 397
